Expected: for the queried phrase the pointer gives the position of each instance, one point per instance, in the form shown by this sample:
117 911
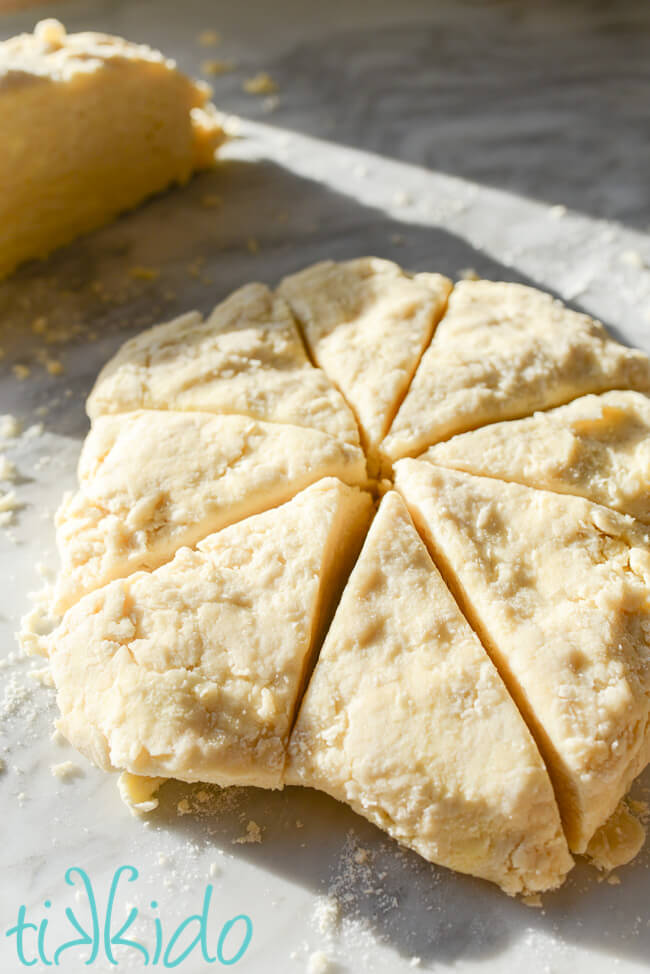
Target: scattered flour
327 914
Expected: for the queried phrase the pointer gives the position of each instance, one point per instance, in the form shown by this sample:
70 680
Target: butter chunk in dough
367 323
247 358
503 351
597 447
406 719
558 590
194 670
153 481
91 125
618 841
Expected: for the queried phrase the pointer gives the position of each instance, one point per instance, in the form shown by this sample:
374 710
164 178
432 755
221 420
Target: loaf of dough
91 125
194 671
154 481
503 351
558 589
246 358
597 447
406 719
366 323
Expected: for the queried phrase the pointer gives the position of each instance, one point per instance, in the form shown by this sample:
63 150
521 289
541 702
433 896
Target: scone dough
91 125
194 671
597 447
153 481
406 719
366 323
246 358
503 351
483 693
558 590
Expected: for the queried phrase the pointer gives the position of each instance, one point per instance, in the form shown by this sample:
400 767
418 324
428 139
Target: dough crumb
557 212
140 273
640 809
8 505
36 626
42 676
209 38
468 274
533 900
21 371
271 104
618 841
54 366
632 258
318 963
138 792
253 834
216 66
7 469
260 84
9 427
402 198
66 770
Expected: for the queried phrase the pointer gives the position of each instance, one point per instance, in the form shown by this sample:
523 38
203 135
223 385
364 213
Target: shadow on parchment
186 249
546 99
419 909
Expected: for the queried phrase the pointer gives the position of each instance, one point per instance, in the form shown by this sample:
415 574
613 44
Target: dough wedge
406 719
246 358
503 351
597 447
558 589
91 126
194 671
366 323
153 481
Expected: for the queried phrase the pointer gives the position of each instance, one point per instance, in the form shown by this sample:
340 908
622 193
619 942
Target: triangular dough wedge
597 447
194 670
153 481
366 323
406 719
246 358
503 351
558 590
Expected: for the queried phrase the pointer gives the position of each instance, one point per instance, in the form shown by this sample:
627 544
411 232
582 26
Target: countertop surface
506 138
